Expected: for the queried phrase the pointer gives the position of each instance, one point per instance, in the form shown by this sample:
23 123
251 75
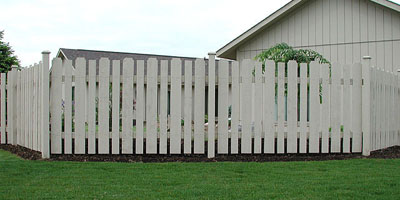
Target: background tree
7 57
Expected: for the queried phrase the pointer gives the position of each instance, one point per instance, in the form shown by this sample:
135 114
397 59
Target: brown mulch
389 153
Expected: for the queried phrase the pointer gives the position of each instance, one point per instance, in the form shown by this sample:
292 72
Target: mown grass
350 179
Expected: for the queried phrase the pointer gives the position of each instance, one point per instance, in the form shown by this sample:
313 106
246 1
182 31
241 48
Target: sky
166 27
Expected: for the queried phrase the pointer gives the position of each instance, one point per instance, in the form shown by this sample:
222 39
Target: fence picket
292 108
19 108
176 117
55 98
188 108
127 106
281 108
34 109
223 76
347 111
258 111
247 76
269 107
303 108
335 107
163 107
80 100
325 108
140 103
3 108
92 108
356 109
235 108
211 108
116 67
30 124
68 107
151 107
199 101
314 108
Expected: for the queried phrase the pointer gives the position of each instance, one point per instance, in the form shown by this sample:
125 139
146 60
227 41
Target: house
73 54
342 31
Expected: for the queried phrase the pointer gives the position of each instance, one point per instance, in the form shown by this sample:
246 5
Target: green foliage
285 53
7 57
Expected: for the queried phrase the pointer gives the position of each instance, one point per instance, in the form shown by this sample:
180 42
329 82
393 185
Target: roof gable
229 50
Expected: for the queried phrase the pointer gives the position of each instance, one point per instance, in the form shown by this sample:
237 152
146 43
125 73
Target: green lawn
351 179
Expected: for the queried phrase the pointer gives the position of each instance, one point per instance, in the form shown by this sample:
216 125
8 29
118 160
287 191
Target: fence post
45 105
366 105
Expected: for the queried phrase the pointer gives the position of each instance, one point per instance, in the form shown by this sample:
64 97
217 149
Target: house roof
229 50
73 54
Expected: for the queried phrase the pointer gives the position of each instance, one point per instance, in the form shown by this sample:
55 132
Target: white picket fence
345 109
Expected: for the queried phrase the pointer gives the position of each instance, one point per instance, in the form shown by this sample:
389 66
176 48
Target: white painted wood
388 35
347 112
325 116
356 108
303 108
269 107
29 99
326 29
292 108
333 22
10 106
127 106
151 106
163 107
7 133
104 87
372 33
45 119
80 99
380 36
188 108
25 108
55 107
211 108
223 79
140 103
314 108
281 108
246 99
199 101
19 108
318 25
176 90
92 108
235 108
34 107
312 25
258 107
116 67
335 107
67 65
3 108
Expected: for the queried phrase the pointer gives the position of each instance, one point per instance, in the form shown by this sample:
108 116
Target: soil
389 153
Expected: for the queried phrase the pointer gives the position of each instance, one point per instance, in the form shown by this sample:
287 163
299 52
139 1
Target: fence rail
289 108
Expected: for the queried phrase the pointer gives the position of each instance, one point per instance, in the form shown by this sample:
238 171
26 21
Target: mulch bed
389 153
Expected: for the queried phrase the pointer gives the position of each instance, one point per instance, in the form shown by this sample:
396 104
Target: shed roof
229 50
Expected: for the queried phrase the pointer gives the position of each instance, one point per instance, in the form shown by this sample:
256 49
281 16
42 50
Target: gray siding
342 30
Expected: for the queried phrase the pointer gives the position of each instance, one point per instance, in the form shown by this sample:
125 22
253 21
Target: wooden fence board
116 67
246 95
92 108
199 101
292 108
347 112
188 108
314 108
176 92
151 107
163 107
3 108
55 106
80 100
335 107
303 108
211 108
127 106
67 65
223 76
140 103
281 108
325 120
258 107
235 109
269 107
356 108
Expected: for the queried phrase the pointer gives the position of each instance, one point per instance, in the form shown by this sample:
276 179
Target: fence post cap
367 57
46 52
212 53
